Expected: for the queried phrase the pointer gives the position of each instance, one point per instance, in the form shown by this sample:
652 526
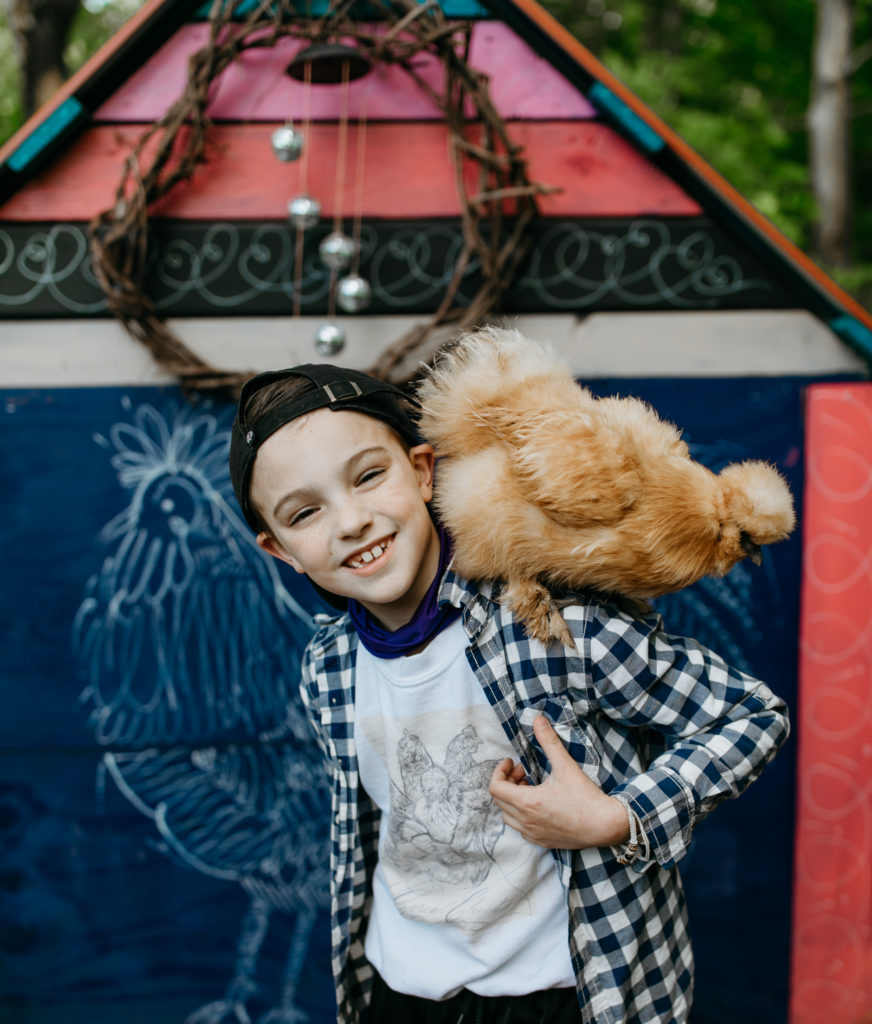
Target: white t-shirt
460 900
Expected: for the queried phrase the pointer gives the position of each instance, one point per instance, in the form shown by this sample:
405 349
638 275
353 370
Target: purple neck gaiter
428 620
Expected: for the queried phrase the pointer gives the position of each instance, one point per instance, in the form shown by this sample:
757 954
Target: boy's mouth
364 558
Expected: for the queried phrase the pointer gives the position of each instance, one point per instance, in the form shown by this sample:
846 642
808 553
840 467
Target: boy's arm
721 726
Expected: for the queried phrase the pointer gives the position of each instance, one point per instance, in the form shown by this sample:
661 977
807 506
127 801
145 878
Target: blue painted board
162 806
738 872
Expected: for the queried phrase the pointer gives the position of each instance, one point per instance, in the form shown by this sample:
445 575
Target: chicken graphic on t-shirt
444 813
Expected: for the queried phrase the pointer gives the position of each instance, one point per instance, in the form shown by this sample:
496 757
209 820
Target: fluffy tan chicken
543 485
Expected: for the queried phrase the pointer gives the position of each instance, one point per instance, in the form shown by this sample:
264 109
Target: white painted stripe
83 352
756 343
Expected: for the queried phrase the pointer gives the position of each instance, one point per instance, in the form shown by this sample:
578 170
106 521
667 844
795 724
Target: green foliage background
732 77
96 21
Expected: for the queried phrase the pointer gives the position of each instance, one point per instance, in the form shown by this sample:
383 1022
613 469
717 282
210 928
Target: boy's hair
270 400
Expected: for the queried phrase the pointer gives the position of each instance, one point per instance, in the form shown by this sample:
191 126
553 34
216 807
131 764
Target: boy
442 723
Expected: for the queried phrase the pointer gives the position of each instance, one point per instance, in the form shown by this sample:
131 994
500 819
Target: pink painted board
407 173
523 86
256 88
831 970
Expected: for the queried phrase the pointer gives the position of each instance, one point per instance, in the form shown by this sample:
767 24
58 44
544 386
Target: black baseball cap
336 388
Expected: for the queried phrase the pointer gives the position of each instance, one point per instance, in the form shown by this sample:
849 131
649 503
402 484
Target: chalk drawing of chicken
190 646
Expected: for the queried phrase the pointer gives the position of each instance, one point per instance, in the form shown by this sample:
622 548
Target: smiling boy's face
346 504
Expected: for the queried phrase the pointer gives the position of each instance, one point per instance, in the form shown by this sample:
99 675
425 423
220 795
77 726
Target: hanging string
360 166
307 125
342 145
303 179
341 149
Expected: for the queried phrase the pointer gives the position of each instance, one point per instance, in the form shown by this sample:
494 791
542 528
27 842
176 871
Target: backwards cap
335 388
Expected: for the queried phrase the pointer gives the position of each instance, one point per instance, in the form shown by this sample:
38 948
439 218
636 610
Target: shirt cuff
637 847
664 807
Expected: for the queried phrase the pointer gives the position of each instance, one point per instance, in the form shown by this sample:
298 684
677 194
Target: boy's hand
567 811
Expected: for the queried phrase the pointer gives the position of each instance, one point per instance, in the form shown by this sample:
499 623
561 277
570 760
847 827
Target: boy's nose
354 518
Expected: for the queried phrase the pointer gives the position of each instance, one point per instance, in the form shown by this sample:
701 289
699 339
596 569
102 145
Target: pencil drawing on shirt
440 854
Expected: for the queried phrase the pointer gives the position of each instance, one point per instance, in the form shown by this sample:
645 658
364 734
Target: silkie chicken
550 489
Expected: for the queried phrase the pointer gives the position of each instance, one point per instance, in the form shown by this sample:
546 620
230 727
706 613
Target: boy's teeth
376 551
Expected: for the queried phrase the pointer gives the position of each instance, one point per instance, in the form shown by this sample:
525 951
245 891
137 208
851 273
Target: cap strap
349 387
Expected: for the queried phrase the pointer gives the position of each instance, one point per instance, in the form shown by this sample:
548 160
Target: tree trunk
829 128
40 29
663 26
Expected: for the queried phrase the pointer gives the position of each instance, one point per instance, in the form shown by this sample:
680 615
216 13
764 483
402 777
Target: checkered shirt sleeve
721 726
328 695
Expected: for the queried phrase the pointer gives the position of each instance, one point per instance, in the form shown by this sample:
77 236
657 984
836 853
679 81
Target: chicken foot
538 610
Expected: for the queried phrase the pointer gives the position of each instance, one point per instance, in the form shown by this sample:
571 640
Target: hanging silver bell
304 211
336 250
353 293
287 143
329 339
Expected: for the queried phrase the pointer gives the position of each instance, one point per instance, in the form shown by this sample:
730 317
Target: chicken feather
544 486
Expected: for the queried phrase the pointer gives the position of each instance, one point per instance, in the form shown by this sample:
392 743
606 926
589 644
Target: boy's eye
298 517
370 474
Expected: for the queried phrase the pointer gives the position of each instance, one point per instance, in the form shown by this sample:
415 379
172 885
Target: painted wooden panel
163 807
832 950
77 352
113 913
407 173
256 88
202 268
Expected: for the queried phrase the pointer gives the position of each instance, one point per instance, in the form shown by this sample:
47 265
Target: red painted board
407 173
831 971
256 88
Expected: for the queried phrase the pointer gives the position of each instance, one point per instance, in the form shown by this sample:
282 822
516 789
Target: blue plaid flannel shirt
628 925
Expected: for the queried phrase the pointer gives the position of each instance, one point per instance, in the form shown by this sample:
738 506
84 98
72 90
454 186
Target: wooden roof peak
60 120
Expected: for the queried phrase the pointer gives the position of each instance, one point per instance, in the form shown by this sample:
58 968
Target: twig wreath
119 236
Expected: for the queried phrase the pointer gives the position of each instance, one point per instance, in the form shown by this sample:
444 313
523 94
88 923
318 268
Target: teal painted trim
603 98
41 136
242 9
318 8
857 335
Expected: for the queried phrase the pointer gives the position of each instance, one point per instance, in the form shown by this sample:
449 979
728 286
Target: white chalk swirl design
571 266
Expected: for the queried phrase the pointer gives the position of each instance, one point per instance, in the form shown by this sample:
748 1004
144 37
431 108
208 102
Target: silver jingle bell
353 293
336 250
329 339
287 143
304 211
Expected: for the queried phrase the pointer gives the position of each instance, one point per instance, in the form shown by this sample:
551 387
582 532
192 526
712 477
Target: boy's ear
423 459
266 542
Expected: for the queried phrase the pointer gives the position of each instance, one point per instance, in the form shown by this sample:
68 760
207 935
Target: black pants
553 1006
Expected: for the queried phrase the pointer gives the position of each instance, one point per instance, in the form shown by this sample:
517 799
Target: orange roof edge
567 42
68 89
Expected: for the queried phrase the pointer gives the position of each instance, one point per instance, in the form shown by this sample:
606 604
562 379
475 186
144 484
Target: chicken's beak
751 549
